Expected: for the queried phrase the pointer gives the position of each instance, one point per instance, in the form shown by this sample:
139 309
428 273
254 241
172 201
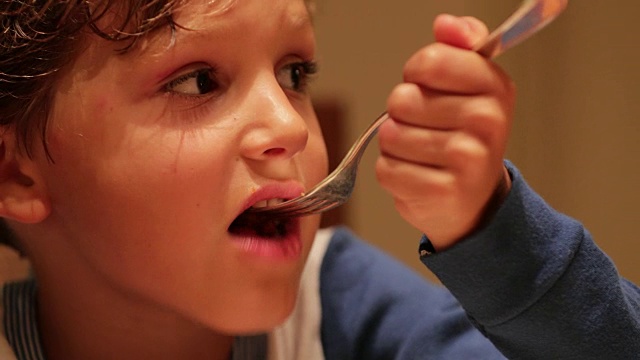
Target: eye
296 76
195 82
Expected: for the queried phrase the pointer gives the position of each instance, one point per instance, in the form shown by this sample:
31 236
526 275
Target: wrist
485 216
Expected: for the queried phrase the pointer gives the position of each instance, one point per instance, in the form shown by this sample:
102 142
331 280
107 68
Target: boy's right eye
195 82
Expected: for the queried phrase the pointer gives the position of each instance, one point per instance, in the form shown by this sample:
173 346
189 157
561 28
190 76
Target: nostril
274 137
274 151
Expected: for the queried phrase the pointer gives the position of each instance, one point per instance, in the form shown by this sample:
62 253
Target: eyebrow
303 21
159 41
215 7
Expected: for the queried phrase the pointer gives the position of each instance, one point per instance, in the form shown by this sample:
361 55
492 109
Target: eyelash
309 69
171 85
304 70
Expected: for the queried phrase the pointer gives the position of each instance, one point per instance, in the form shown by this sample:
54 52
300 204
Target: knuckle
424 64
486 116
386 138
465 150
401 100
511 89
382 171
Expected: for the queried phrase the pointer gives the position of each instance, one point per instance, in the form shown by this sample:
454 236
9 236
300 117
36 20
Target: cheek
157 178
317 162
113 167
151 210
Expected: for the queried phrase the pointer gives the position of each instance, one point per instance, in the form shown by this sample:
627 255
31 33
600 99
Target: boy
136 133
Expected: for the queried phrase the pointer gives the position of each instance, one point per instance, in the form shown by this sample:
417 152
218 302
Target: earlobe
23 196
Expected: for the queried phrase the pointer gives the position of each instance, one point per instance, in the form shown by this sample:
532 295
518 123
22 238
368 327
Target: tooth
260 204
272 202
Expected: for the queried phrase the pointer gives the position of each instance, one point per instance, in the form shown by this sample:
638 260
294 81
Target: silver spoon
336 188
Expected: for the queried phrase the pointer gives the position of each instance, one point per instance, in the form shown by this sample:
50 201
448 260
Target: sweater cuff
502 269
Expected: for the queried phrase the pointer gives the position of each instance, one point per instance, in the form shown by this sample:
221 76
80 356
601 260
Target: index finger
450 69
463 32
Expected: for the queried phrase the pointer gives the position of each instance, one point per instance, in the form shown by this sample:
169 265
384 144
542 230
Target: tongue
256 225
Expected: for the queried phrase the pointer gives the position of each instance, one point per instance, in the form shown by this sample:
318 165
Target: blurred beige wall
576 135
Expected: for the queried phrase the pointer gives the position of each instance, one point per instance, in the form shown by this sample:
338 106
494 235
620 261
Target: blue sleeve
534 282
375 308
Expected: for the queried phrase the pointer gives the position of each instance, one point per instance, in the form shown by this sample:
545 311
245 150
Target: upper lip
281 190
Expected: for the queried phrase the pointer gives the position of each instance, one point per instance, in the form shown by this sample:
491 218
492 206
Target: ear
23 195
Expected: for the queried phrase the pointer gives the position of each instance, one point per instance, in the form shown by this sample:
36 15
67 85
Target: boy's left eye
196 82
295 76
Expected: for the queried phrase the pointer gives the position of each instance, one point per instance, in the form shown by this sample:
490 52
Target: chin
266 295
257 315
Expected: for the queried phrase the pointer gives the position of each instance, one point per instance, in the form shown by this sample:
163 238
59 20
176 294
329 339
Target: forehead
198 18
194 14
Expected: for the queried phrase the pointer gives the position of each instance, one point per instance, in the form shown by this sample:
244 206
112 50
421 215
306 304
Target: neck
77 322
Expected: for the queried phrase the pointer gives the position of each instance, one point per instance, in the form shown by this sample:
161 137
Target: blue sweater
532 282
530 285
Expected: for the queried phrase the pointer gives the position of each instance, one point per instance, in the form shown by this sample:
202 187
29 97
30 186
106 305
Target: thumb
463 32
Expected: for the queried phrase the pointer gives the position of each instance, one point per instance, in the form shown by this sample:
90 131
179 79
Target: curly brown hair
39 37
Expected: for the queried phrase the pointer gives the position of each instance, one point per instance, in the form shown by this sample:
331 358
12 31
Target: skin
127 230
131 246
442 155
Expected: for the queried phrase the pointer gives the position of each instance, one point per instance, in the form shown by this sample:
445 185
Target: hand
442 151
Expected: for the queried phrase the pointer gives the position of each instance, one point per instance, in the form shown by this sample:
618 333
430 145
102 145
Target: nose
275 129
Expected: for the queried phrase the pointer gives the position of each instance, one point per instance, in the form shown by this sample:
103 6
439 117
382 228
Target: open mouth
264 226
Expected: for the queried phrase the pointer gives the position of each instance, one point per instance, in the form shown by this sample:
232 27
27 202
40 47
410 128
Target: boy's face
157 151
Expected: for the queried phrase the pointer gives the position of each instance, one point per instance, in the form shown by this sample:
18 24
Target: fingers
448 65
399 144
463 32
415 179
442 150
441 147
411 104
450 69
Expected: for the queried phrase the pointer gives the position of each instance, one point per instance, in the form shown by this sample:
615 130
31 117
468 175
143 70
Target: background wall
576 135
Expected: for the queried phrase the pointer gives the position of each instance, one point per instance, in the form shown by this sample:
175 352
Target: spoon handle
527 20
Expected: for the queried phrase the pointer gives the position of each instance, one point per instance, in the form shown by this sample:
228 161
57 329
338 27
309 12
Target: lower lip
288 247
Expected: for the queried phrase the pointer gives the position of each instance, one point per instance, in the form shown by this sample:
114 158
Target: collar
20 326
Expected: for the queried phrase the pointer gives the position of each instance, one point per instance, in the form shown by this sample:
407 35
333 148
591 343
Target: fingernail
468 27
